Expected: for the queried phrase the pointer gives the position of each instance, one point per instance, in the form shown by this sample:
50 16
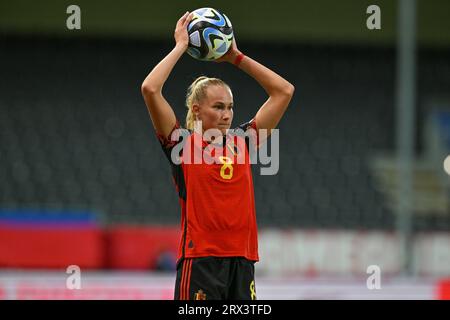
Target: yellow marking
252 290
227 164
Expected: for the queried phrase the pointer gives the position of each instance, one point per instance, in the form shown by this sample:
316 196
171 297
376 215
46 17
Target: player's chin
223 128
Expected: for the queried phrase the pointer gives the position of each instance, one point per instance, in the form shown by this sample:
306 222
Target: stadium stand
70 140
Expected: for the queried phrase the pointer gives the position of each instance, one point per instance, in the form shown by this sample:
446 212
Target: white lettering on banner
335 252
433 254
272 243
342 252
310 260
375 248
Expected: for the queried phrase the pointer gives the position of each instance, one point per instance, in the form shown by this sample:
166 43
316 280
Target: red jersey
217 200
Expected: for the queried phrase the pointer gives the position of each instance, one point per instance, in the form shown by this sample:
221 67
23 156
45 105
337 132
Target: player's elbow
288 90
284 91
149 89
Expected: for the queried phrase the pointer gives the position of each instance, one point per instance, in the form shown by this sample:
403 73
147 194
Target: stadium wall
323 21
305 252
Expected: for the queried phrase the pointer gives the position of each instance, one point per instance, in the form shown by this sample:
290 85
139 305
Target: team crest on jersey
200 295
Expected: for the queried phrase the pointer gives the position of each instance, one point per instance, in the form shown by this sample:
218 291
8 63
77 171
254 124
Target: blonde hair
196 93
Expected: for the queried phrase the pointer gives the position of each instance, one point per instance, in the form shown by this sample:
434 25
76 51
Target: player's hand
181 34
231 54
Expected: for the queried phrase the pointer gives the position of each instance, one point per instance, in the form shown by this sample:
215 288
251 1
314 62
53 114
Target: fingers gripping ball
210 34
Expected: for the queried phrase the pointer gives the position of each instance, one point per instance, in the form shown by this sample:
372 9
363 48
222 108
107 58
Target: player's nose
226 115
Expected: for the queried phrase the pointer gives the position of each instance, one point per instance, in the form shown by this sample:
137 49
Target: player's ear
195 109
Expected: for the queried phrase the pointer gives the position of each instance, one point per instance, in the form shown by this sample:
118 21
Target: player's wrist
237 58
181 46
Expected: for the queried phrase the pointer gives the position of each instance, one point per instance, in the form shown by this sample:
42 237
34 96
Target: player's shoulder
176 135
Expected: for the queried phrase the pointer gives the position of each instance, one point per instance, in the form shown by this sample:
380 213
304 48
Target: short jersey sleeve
167 143
250 132
177 136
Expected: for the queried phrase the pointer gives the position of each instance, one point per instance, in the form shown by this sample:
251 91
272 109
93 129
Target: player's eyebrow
219 103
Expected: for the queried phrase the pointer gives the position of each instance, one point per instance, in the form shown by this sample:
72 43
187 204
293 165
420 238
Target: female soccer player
218 247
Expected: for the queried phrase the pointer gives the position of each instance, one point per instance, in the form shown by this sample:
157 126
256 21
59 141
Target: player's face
216 109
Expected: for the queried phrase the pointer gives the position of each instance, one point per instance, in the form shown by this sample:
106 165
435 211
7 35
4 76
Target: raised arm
280 91
161 113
